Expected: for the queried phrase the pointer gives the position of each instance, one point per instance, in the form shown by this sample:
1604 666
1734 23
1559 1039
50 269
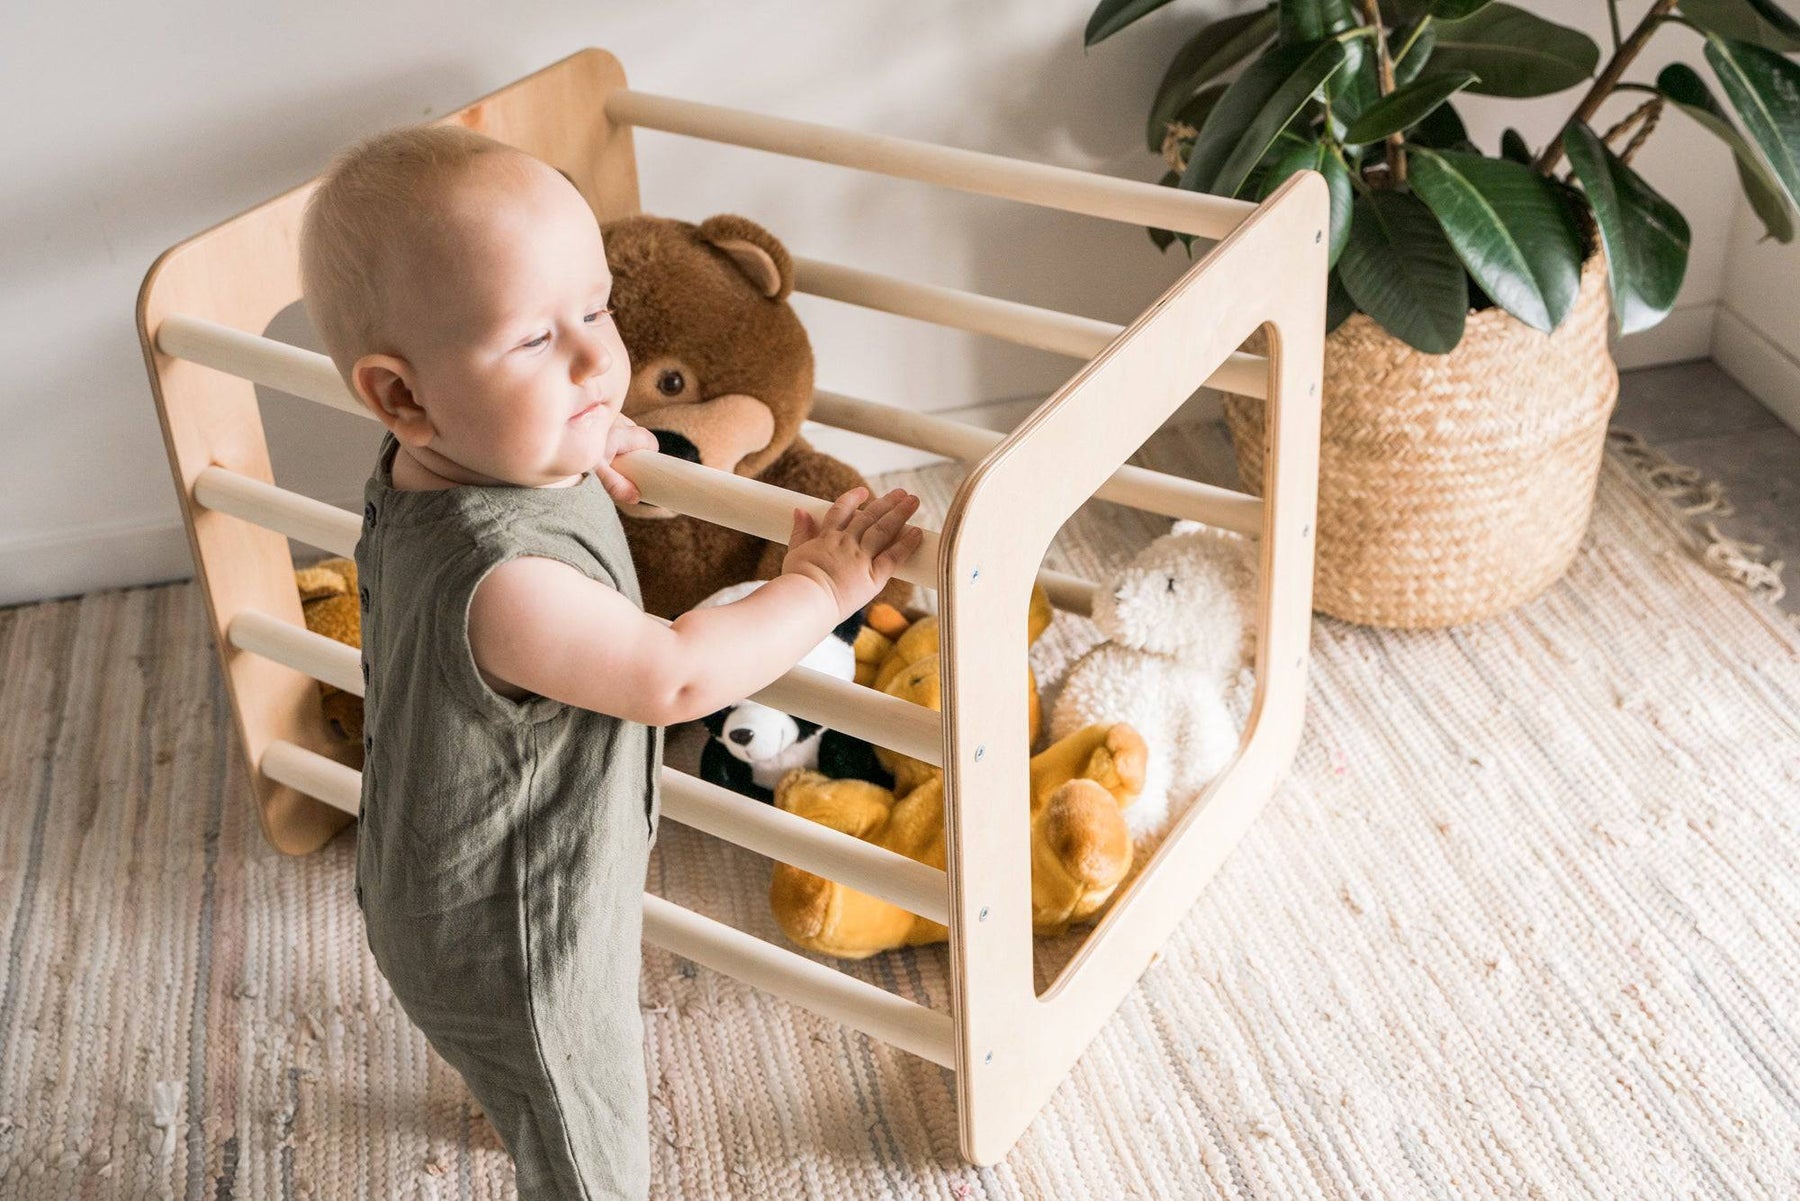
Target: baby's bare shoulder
541 625
534 586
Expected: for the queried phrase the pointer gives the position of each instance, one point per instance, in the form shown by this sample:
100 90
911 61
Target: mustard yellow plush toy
1080 845
329 606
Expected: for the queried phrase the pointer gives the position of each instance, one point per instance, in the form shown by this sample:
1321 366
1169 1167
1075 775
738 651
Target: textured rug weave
1525 921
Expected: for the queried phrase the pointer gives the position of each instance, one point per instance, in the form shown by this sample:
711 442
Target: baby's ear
762 258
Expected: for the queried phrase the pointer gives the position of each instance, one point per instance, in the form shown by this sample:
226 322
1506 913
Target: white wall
1756 337
157 121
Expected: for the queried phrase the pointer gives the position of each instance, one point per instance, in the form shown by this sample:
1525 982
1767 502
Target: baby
516 691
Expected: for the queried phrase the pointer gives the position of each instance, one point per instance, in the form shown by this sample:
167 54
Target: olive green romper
502 847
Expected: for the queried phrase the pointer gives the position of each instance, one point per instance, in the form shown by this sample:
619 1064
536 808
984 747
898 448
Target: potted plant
1468 377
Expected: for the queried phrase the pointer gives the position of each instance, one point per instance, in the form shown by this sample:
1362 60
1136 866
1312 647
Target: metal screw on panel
982 916
1305 530
1318 236
990 1058
974 575
1312 389
980 751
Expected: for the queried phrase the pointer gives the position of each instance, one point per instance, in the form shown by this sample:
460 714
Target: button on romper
502 845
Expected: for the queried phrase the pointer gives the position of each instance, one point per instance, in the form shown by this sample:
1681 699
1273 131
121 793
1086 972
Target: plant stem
1603 86
1384 70
1612 13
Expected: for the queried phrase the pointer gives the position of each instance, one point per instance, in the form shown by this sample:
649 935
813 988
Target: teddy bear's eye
1171 580
671 383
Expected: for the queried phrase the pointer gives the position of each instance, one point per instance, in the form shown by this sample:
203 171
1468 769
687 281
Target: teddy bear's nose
1171 583
676 446
742 736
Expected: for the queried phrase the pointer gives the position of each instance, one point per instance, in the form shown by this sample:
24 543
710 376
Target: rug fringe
1694 496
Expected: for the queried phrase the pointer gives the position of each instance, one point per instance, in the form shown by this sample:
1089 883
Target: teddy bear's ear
1184 526
757 252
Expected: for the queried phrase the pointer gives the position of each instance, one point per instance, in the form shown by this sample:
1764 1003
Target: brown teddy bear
329 606
722 374
1081 847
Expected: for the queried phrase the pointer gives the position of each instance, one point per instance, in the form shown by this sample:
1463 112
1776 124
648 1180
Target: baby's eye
537 342
605 311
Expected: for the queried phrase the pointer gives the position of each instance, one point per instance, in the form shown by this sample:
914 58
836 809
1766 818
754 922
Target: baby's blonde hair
364 218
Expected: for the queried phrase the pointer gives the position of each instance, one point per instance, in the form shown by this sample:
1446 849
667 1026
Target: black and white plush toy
752 746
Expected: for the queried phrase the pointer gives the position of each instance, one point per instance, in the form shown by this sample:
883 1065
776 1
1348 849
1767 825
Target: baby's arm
543 626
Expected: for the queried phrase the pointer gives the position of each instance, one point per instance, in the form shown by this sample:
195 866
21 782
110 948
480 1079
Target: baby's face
504 320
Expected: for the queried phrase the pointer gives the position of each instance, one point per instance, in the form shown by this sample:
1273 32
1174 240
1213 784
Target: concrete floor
1698 416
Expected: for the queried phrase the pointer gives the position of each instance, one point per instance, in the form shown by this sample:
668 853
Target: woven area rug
1525 921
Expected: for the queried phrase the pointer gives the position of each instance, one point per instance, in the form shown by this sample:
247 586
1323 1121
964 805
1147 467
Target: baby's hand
853 551
624 437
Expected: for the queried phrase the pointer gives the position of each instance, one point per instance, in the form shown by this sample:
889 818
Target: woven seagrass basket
1452 487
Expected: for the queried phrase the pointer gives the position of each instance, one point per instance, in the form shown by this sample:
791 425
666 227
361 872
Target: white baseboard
1767 371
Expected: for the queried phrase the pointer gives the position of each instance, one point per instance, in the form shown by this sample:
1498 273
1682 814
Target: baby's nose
595 363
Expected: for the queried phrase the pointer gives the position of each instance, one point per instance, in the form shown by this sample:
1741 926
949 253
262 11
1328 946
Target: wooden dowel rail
1009 320
322 778
274 508
333 529
1065 188
311 376
782 836
750 506
789 838
843 705
823 990
1137 487
297 647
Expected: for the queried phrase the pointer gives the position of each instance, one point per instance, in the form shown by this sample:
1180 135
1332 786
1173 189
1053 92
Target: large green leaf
1514 52
1353 88
1442 129
1646 239
1408 65
1401 270
1759 21
1208 54
1764 88
1455 10
1254 109
1110 16
1310 20
1684 87
1162 237
1338 305
1406 107
1508 228
1320 157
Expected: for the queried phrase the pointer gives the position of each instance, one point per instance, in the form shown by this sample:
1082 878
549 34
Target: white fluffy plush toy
1177 627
